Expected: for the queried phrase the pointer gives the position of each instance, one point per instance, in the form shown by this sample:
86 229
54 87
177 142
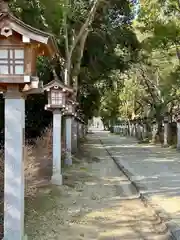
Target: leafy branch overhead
96 41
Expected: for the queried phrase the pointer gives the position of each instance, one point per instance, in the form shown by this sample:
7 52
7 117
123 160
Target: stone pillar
166 130
74 135
113 129
178 132
119 129
131 129
127 127
165 134
154 131
78 133
122 129
81 130
57 172
145 129
138 131
14 165
68 159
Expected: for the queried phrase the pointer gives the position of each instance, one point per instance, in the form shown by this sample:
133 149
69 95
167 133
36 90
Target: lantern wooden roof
47 43
59 84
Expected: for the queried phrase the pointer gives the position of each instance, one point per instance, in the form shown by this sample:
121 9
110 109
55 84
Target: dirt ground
96 202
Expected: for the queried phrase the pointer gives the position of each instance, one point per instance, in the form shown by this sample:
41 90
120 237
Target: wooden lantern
69 109
20 45
56 94
71 104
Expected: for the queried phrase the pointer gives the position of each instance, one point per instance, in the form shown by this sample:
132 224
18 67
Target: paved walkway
155 170
96 202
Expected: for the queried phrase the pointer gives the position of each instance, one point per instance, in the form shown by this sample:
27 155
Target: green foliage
110 49
151 86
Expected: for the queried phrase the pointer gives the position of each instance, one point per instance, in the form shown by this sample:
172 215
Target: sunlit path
155 170
97 202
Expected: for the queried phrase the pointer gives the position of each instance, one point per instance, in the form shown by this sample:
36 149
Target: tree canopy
150 86
97 44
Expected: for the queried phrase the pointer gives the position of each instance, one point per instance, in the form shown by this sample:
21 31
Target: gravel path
96 202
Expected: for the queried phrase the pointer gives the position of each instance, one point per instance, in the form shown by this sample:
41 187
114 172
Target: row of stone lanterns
20 45
138 128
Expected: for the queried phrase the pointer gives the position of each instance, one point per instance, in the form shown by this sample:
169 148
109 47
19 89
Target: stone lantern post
166 129
75 128
139 130
178 131
20 45
80 124
130 127
154 130
56 103
68 113
78 128
84 127
145 130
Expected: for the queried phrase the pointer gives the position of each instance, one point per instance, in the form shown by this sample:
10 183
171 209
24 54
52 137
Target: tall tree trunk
77 66
75 39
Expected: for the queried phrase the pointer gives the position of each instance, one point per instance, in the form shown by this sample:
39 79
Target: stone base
178 148
165 145
57 179
23 238
68 160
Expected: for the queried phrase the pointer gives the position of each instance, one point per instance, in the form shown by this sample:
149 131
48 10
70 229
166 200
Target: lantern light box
71 107
56 94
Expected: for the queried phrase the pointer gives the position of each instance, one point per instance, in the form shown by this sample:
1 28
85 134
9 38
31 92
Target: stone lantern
20 45
56 92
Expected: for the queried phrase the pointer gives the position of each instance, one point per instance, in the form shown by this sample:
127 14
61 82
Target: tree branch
85 25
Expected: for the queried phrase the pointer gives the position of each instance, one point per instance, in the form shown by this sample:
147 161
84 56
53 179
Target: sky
136 7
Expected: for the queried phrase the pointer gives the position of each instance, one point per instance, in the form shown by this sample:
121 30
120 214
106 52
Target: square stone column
166 130
14 165
74 135
57 172
68 159
178 135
